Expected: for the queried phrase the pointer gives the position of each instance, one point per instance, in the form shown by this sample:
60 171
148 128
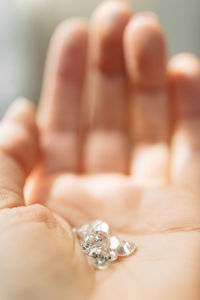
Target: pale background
26 26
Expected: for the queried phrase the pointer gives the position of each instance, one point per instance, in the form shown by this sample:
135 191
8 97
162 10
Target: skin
118 140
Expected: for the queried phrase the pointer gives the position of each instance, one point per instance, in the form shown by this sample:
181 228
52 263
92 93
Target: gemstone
99 257
99 225
95 239
114 242
101 247
126 248
113 255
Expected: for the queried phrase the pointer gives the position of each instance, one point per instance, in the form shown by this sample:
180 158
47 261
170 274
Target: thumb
18 151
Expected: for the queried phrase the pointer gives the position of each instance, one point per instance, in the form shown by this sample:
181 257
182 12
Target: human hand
135 163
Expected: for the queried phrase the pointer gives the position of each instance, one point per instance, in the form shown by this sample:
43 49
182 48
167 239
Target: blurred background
26 27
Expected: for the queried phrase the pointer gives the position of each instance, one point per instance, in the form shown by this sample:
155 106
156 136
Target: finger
59 112
18 151
145 53
106 148
184 78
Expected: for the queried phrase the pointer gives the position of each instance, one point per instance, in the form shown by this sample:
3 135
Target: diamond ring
100 246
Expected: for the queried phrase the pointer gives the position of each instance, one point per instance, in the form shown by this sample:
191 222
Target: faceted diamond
101 247
99 225
114 242
113 255
99 258
126 248
98 239
101 240
87 244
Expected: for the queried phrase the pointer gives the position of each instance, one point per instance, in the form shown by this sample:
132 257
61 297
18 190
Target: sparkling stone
88 243
126 248
113 255
114 242
95 239
99 225
101 247
99 258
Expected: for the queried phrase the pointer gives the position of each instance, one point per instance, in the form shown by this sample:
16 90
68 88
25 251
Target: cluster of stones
101 247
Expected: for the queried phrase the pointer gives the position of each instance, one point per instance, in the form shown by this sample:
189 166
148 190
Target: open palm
120 140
